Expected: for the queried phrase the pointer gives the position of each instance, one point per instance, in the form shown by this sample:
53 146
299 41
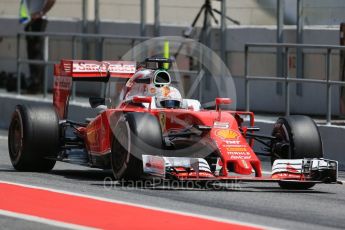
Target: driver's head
165 95
168 97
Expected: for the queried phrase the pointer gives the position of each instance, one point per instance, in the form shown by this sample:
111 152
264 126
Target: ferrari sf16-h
151 131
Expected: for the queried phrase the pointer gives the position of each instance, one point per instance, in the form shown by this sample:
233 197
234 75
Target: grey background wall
264 96
257 19
182 12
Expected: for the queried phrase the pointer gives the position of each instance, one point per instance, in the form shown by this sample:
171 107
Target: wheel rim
282 134
15 138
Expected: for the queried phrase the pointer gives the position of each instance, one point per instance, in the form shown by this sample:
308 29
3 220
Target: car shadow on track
175 186
104 179
256 190
6 168
277 189
80 175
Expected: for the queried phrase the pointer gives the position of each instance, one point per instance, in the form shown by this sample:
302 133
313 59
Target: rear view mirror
223 101
96 101
141 99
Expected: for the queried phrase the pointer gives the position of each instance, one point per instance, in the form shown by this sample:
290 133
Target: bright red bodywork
227 134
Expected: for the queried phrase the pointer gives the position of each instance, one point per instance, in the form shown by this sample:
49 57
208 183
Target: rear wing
89 70
68 71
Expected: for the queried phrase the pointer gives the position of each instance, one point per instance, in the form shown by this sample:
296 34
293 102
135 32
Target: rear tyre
135 134
33 137
297 137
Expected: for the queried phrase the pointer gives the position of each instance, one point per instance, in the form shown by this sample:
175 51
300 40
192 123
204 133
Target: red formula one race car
152 131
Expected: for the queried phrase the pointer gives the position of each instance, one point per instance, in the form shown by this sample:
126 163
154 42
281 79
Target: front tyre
297 137
33 138
135 134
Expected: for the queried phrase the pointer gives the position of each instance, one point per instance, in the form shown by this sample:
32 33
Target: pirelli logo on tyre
228 134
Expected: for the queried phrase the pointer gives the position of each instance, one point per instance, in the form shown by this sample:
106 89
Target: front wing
313 170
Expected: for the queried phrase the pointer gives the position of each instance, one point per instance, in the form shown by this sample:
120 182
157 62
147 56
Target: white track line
43 220
229 221
3 138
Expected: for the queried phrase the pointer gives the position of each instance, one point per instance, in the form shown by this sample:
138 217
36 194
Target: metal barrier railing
100 38
286 78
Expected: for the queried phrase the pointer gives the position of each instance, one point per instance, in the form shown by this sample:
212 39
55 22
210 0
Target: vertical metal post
200 69
280 39
132 50
207 27
84 16
299 50
342 68
46 59
74 56
280 20
74 47
157 19
97 17
246 81
98 45
84 28
143 17
19 65
287 83
101 56
101 51
329 87
223 32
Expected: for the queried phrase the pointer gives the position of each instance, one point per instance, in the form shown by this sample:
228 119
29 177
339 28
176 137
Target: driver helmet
168 97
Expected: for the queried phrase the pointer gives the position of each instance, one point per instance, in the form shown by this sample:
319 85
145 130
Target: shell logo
227 134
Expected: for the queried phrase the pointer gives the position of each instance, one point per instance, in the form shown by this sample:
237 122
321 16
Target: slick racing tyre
135 134
33 138
297 137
